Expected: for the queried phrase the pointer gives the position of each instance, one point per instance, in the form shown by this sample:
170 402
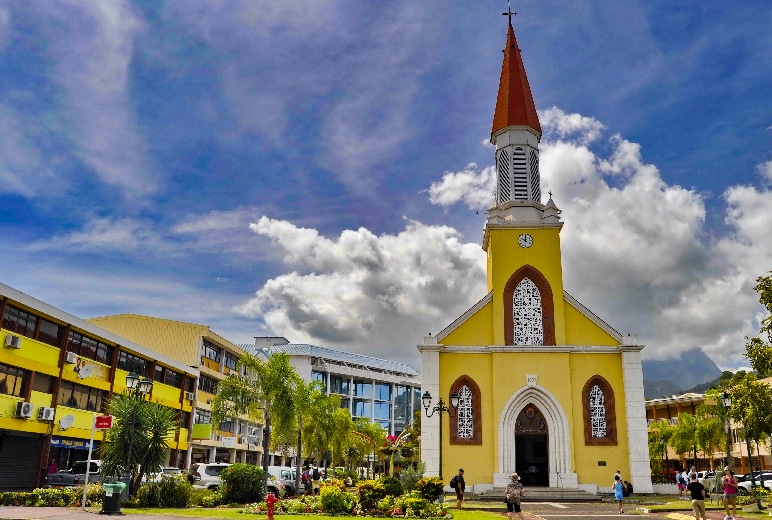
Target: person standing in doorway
460 487
513 493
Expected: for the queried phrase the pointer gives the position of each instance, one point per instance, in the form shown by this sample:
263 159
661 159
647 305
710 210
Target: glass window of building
416 398
382 410
340 385
211 351
402 404
319 376
11 380
385 425
132 363
172 378
19 321
43 383
183 418
207 384
203 416
345 403
363 388
361 409
230 361
81 397
49 333
383 391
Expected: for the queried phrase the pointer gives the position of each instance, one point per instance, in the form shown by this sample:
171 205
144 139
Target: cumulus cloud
375 295
471 185
765 169
635 249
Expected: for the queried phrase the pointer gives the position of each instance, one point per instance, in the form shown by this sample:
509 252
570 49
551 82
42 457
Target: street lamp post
137 387
440 408
727 402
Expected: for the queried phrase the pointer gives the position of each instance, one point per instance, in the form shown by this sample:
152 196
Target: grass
233 512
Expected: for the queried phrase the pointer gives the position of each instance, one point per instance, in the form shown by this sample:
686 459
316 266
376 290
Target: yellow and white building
237 440
545 387
57 372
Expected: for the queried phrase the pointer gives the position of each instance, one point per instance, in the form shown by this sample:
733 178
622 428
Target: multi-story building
383 391
667 409
57 372
237 440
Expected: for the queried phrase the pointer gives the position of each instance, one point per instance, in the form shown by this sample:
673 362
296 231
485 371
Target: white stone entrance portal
561 473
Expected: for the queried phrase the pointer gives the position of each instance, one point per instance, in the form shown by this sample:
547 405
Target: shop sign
67 443
229 441
103 422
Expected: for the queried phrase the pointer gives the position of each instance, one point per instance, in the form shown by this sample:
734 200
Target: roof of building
339 356
514 103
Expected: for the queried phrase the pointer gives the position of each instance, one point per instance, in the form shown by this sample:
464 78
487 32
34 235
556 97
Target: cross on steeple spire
509 12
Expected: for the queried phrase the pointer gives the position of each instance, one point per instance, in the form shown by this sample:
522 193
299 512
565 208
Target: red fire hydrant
270 499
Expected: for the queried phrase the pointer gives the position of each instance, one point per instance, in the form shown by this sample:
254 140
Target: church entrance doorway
532 446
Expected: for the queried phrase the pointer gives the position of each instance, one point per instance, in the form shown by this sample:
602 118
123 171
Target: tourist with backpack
316 478
458 484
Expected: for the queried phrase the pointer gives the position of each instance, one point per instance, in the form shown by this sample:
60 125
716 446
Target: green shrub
430 487
243 483
335 483
198 495
369 493
335 501
213 499
168 492
410 476
64 497
130 502
393 486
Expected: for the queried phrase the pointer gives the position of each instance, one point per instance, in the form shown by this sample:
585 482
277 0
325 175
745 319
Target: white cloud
375 295
92 44
765 170
106 235
474 187
635 249
21 169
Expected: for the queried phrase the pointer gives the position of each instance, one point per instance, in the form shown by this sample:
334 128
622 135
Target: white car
206 475
763 479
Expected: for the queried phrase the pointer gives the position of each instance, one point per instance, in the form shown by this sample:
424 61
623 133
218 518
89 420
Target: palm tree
684 437
260 391
138 442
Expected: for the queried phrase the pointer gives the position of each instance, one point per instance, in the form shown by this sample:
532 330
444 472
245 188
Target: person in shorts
460 487
619 493
513 493
729 486
697 491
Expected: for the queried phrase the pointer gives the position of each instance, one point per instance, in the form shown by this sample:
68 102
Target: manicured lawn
236 513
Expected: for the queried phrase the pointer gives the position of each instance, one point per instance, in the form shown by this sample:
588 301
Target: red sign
103 422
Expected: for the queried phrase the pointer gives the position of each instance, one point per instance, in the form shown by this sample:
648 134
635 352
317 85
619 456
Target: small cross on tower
509 12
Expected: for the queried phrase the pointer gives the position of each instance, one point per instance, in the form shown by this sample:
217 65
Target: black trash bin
111 504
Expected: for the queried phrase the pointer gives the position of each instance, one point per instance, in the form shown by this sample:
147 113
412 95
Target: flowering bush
430 487
335 501
64 497
369 493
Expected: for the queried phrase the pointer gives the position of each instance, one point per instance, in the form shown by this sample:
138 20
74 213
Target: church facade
543 386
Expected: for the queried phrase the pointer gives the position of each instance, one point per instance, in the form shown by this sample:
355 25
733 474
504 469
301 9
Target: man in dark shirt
460 486
697 491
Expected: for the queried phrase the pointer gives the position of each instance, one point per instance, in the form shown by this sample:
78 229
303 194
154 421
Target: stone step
543 494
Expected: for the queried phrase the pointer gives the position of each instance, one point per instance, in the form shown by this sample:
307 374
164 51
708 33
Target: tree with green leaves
660 433
758 350
326 435
138 442
262 391
684 436
751 407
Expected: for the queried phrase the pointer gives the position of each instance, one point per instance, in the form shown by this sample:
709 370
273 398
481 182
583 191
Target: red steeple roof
514 104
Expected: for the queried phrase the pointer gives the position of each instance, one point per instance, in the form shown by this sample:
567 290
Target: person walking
316 479
513 493
460 487
619 494
697 491
729 486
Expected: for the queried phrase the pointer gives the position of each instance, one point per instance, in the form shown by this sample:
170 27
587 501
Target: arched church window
465 416
599 412
527 315
466 428
529 309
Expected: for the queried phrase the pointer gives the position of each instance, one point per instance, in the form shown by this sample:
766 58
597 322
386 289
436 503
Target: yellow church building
543 386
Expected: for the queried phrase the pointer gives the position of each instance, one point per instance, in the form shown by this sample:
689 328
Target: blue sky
315 169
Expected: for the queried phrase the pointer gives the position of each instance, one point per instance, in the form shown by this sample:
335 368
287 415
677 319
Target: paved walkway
532 510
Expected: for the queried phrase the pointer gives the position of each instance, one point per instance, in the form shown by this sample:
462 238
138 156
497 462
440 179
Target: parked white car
206 475
763 479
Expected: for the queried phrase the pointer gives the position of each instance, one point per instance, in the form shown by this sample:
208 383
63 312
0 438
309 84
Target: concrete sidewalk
71 513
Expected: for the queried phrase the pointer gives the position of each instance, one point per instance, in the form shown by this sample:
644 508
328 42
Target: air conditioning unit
46 414
190 396
71 358
24 410
12 341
